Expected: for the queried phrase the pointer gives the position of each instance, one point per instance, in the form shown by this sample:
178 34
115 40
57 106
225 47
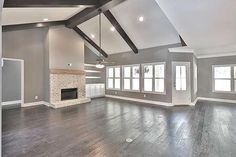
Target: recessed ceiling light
112 29
140 18
92 36
45 19
39 25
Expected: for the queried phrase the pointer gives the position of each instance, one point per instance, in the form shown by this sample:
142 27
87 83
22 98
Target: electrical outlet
36 97
144 95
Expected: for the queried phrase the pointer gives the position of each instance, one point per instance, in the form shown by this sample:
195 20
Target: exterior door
181 85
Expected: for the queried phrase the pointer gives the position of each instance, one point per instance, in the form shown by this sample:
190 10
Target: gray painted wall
150 55
65 46
29 46
11 80
41 49
90 58
205 76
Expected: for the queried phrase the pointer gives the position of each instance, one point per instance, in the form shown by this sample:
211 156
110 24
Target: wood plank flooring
100 128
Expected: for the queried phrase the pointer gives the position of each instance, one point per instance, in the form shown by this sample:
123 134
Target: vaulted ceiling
155 30
206 26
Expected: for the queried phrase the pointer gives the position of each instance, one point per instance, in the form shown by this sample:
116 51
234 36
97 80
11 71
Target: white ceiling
12 16
156 30
205 25
112 42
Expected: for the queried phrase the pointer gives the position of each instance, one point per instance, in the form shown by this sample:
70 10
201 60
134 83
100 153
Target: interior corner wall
65 47
205 77
28 45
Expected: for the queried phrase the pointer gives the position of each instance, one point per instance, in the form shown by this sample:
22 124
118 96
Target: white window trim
114 77
131 77
231 79
153 78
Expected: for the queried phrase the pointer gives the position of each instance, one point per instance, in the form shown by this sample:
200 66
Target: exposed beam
182 41
121 31
48 3
31 25
86 38
89 13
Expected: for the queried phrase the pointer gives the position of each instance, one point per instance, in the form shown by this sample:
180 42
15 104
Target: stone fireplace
67 87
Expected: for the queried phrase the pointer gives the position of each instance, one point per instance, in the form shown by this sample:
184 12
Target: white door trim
173 79
22 77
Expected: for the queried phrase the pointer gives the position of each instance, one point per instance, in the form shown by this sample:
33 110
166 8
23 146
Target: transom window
113 77
224 78
154 77
131 77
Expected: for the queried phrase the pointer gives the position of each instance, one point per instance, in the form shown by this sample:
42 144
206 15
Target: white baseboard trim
33 104
140 100
11 102
217 100
194 102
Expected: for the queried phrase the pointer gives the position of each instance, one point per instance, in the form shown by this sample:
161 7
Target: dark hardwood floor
99 129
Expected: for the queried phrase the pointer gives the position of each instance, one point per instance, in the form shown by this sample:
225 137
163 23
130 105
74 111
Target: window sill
224 92
157 93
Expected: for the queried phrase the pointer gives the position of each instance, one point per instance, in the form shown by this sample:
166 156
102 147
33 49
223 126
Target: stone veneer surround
62 79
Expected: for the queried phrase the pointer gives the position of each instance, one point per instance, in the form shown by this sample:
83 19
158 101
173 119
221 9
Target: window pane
147 69
223 85
127 71
117 72
222 72
135 84
136 71
178 84
148 85
159 85
117 83
127 84
183 72
110 83
177 71
110 72
160 71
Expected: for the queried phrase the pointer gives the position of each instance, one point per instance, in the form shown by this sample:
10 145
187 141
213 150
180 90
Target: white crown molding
223 54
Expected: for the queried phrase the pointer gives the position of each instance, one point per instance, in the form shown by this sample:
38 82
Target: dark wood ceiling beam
182 41
31 25
89 13
48 3
86 38
121 31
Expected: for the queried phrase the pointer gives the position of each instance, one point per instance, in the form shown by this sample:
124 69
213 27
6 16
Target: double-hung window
154 77
131 77
223 78
113 77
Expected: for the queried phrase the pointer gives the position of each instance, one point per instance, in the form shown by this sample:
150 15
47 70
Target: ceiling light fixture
92 36
141 18
45 19
39 25
112 28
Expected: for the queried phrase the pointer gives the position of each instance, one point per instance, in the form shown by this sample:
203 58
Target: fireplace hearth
69 93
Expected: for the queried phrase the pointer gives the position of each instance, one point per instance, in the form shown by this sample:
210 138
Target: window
131 77
113 78
222 78
154 77
180 78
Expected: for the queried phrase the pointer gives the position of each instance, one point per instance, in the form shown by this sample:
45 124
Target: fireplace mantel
66 78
